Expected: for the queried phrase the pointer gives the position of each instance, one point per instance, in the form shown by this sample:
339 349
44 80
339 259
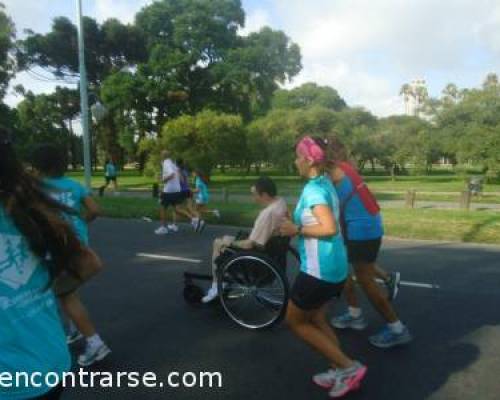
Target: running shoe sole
354 386
400 342
101 355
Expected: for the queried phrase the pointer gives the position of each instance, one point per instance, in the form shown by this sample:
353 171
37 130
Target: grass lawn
131 180
453 225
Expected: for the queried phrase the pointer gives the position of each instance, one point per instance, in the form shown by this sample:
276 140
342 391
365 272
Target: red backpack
367 198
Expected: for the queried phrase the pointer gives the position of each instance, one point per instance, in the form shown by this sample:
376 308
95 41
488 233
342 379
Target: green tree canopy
309 95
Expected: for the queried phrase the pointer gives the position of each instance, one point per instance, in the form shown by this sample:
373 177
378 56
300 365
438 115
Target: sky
366 49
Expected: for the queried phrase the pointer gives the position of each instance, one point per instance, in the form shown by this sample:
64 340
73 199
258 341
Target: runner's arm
326 225
91 209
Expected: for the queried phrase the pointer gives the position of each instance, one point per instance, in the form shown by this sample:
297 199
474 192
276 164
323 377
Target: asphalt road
139 310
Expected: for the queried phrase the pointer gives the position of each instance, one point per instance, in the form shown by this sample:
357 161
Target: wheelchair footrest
188 276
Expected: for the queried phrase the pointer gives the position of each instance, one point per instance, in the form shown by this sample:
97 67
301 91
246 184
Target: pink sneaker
347 380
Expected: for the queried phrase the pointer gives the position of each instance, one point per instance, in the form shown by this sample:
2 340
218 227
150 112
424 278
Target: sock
354 311
396 327
94 341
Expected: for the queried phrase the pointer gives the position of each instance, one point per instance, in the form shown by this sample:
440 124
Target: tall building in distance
414 94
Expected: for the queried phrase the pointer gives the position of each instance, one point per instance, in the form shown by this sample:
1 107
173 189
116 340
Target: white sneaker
217 213
73 337
93 354
173 228
162 230
211 295
326 380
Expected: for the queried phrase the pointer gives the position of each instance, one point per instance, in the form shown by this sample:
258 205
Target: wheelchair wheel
253 291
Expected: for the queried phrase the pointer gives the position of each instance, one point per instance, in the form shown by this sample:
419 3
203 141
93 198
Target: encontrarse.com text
94 379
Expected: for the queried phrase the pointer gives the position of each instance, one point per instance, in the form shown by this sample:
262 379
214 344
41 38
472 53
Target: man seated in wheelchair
265 226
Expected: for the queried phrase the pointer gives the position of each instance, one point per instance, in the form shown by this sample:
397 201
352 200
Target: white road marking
196 261
169 258
416 284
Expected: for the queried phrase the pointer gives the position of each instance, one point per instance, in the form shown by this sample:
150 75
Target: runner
171 195
50 162
110 175
323 270
186 208
31 335
202 194
266 226
363 233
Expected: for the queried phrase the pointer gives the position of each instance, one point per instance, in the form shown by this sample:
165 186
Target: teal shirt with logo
71 194
31 333
324 258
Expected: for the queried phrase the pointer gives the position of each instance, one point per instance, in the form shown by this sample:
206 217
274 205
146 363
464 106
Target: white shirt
173 185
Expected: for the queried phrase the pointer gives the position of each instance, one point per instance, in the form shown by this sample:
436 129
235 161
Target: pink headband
309 149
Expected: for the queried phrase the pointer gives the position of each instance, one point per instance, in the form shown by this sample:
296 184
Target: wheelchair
252 284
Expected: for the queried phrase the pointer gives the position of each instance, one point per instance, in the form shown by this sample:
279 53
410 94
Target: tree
110 46
41 120
309 95
403 140
7 36
206 139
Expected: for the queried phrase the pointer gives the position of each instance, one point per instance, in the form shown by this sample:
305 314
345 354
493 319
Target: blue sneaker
387 338
348 321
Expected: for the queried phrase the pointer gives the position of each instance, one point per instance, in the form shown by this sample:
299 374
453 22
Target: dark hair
180 162
49 159
336 151
34 213
266 185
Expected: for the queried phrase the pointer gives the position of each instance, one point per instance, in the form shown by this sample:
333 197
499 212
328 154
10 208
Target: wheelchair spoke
254 294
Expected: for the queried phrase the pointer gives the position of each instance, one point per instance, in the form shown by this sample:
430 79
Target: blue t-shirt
71 194
110 170
202 194
31 334
360 224
323 258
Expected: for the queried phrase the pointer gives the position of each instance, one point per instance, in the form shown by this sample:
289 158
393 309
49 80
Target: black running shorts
310 293
363 251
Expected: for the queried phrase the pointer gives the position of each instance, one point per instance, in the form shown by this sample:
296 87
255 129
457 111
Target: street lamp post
84 98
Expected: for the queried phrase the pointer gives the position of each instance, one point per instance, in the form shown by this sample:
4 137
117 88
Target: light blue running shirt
31 334
323 258
202 194
110 170
71 194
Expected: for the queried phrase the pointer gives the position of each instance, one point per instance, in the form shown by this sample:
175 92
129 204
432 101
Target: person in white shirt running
171 196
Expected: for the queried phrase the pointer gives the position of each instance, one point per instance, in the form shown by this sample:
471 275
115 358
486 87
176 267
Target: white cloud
367 49
255 20
124 10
